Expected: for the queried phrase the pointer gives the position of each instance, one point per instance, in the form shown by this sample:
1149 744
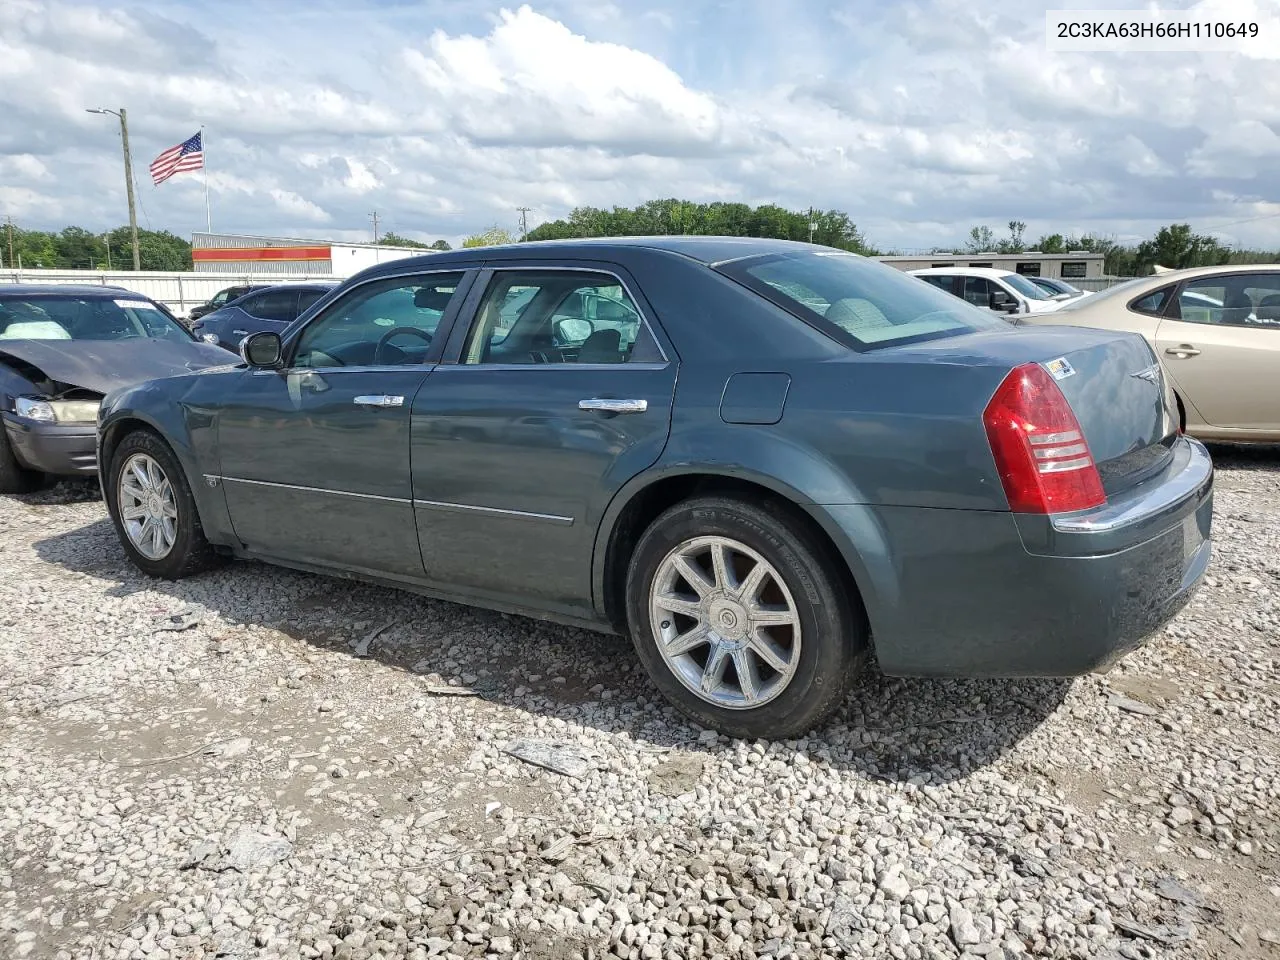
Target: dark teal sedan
759 459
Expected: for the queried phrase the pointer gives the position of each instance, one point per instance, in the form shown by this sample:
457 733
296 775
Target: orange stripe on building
240 254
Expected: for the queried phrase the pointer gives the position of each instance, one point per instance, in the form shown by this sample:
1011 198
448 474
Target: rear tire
763 642
14 477
153 511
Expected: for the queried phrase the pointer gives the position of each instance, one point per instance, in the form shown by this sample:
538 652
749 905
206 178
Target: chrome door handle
605 405
381 400
243 333
1183 351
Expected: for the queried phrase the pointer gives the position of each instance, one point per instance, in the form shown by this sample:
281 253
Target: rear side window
1153 303
858 302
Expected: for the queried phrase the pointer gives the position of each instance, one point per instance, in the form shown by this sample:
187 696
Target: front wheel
741 620
153 510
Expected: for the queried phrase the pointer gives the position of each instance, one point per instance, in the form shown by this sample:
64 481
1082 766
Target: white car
1002 291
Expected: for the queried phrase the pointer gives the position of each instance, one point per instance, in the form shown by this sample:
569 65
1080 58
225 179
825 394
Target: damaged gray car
62 348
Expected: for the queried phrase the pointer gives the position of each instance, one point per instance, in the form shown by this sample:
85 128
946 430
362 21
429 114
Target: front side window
386 323
1242 299
557 316
858 302
57 317
977 290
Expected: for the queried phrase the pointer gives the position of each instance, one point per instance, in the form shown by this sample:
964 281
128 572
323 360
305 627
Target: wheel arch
638 504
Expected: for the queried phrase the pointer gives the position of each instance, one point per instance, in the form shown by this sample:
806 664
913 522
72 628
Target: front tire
153 510
14 477
740 618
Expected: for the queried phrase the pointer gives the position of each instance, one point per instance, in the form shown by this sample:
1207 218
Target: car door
1220 342
538 416
314 457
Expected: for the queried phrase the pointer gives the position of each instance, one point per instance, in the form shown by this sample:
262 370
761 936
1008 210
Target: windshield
60 317
859 302
1026 287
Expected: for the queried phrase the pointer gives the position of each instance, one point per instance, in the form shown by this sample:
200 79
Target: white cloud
919 119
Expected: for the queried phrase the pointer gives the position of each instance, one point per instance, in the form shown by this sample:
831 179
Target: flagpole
204 167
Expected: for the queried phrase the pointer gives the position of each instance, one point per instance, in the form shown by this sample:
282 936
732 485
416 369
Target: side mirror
574 329
1001 300
261 350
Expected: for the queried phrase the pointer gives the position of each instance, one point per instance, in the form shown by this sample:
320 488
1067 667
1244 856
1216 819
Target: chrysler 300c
761 460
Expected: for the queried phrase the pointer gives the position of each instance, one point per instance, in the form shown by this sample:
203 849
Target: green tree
392 239
441 245
981 240
1014 242
492 237
1176 246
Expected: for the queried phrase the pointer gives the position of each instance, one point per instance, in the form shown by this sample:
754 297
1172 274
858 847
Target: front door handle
243 333
1182 351
607 405
380 400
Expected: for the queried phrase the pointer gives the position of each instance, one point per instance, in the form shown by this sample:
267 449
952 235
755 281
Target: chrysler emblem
1151 374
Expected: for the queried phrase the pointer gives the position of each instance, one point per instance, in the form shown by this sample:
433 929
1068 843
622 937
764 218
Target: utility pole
9 223
128 178
813 225
374 217
524 221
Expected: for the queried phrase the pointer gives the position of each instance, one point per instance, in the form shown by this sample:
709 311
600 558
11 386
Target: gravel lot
258 763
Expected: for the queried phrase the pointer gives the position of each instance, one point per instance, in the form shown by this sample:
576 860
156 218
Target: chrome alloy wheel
147 507
725 622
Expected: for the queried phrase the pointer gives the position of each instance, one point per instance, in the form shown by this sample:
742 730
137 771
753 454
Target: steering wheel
394 332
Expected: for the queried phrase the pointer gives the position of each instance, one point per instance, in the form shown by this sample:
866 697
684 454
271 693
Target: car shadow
928 731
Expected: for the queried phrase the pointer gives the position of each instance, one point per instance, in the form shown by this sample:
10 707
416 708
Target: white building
1076 265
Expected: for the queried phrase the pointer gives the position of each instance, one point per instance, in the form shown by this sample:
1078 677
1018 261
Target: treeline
1175 246
75 248
831 228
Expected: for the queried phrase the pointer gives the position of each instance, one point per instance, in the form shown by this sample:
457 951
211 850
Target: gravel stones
211 768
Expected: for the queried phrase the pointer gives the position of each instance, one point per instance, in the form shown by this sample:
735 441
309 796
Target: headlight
40 410
57 411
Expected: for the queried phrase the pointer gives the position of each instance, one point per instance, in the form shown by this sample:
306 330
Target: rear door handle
1183 351
380 400
607 405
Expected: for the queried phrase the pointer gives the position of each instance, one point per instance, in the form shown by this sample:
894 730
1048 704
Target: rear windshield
60 317
863 304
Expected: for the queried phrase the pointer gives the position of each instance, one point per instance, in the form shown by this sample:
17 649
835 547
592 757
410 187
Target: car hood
104 365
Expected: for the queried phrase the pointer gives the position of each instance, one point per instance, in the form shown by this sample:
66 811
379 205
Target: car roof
67 289
308 285
709 250
992 273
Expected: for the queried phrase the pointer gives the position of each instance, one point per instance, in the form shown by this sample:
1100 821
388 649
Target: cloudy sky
919 118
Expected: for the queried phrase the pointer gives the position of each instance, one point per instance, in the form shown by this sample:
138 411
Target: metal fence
178 290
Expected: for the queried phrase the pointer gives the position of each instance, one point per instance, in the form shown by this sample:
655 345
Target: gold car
1216 331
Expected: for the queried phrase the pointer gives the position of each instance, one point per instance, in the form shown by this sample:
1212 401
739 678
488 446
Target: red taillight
1040 451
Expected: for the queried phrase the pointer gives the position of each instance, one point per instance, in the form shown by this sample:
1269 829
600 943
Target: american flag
188 155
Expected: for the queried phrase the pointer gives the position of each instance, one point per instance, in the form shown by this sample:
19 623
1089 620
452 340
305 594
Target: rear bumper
65 449
986 594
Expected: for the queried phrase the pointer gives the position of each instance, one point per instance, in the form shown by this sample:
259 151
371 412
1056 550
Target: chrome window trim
635 302
514 514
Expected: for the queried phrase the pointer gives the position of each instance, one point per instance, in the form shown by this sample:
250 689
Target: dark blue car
761 460
266 308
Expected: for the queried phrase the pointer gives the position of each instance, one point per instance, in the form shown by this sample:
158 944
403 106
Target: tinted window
859 302
387 323
281 305
977 290
941 281
1025 287
1242 299
1073 269
549 316
307 297
91 318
